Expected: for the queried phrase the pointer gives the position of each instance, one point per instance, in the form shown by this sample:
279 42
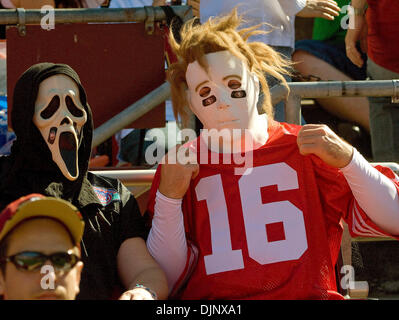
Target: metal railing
130 177
144 177
326 89
130 114
297 91
99 15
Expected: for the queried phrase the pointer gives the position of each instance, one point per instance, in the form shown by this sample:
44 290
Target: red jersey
274 233
383 28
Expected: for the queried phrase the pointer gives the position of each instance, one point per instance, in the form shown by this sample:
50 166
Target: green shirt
331 30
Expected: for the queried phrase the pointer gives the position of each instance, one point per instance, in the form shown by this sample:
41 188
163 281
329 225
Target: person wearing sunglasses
39 249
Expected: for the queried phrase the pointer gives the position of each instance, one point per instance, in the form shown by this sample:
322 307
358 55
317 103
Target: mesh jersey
274 233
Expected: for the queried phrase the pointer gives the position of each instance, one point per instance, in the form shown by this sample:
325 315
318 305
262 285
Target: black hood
30 168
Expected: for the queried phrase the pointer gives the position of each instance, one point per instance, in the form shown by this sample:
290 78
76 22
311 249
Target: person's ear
2 284
78 269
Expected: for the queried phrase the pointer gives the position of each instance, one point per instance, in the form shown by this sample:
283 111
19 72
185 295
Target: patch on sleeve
106 196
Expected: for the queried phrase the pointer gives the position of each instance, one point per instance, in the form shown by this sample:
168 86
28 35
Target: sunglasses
33 261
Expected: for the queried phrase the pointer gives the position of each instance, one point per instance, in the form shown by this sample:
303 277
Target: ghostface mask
60 116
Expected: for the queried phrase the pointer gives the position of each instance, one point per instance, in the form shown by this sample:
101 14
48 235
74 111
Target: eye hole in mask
76 112
208 101
234 84
51 108
238 94
52 135
205 92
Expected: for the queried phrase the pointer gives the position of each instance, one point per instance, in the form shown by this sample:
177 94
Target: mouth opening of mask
68 151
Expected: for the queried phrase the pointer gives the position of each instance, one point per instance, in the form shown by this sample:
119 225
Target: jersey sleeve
361 224
152 195
191 262
338 200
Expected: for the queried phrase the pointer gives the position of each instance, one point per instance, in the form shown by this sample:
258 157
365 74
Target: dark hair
3 254
68 4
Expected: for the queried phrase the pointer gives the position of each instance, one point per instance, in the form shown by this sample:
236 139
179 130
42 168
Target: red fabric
383 29
121 65
290 188
169 54
9 211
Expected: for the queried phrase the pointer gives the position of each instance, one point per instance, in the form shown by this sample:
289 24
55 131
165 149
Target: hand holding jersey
321 141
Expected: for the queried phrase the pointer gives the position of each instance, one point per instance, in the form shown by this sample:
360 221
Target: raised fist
179 167
320 140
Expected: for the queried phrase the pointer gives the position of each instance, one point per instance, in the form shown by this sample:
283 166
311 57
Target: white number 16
256 215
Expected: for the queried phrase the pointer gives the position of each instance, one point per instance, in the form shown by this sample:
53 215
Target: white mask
60 116
226 96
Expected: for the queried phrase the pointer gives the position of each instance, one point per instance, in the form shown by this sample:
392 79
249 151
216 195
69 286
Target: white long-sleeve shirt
278 13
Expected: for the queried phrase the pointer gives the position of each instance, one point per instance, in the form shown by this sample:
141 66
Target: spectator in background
37 231
324 58
382 21
280 17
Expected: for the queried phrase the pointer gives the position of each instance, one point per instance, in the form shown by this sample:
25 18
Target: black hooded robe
110 211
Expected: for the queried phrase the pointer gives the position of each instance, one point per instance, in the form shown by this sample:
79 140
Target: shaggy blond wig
220 34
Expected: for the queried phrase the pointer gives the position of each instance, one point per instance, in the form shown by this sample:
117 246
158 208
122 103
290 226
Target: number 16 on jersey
256 216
